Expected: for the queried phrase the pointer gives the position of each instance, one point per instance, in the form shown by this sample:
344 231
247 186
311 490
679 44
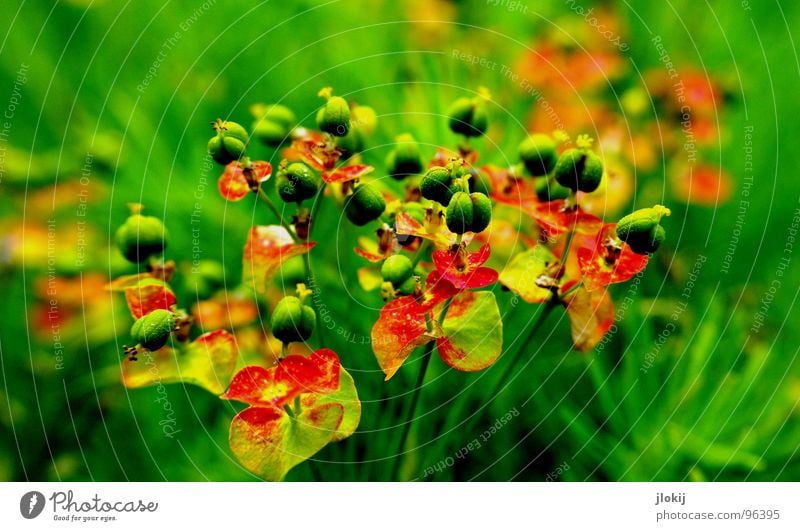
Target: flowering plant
427 260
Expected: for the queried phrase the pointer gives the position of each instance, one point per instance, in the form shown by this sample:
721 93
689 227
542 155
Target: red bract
464 269
346 173
511 190
470 339
295 409
608 260
434 230
557 218
380 250
143 293
315 153
401 327
207 362
279 385
233 184
266 249
590 313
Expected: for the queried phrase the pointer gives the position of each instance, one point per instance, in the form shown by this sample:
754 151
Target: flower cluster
436 223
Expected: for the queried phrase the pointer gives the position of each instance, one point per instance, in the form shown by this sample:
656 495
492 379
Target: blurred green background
719 403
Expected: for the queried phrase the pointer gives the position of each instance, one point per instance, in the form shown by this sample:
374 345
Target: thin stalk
457 413
420 252
412 408
265 198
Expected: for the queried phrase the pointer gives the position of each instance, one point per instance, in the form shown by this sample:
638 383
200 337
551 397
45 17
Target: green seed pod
152 331
296 182
437 185
279 114
270 133
550 190
538 153
468 117
334 116
405 159
365 205
229 143
141 237
642 230
481 211
292 320
397 269
459 213
409 286
579 169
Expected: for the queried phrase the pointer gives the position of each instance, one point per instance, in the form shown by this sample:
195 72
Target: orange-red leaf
266 249
400 328
279 385
207 362
464 270
608 261
316 154
435 230
346 173
556 218
149 294
233 184
591 314
269 443
511 190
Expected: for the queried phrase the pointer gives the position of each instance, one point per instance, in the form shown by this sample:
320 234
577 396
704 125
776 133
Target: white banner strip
401 506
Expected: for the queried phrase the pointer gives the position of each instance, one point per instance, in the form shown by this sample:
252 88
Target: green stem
517 357
265 198
457 413
307 258
412 408
420 252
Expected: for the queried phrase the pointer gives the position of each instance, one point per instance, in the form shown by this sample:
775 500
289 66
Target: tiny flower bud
538 154
141 237
296 182
152 331
229 143
579 169
468 116
642 231
292 320
405 159
364 205
334 116
397 269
